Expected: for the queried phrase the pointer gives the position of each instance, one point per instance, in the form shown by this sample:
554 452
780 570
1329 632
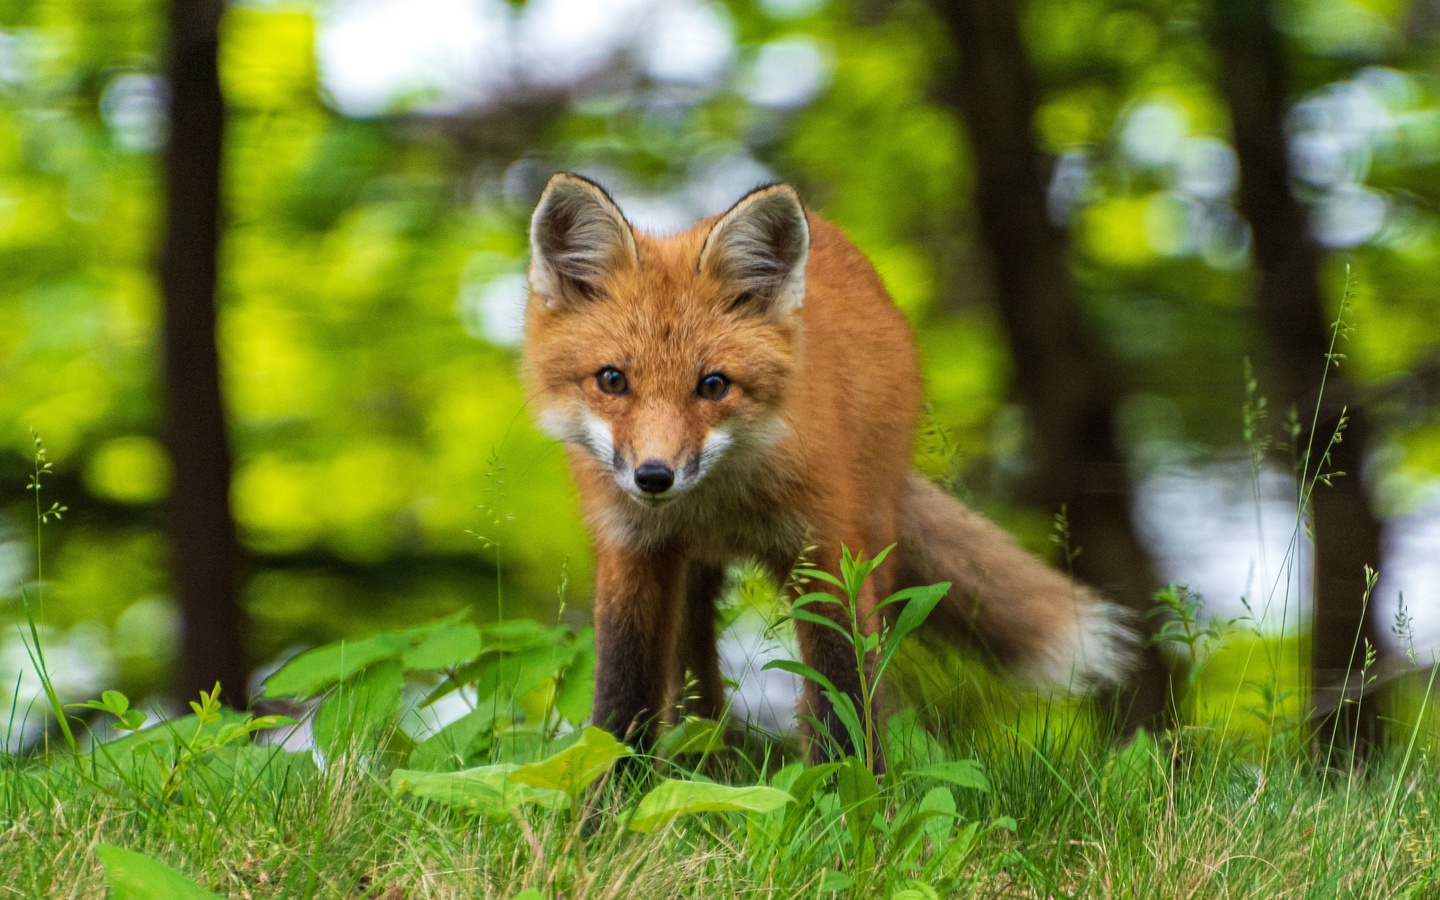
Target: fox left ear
577 236
760 246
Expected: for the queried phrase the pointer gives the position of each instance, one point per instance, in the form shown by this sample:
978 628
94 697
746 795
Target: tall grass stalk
35 607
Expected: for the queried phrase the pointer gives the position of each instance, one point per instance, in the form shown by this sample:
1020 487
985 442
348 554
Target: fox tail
1027 616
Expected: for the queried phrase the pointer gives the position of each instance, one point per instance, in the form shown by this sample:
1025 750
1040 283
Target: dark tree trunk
1060 374
204 549
1297 332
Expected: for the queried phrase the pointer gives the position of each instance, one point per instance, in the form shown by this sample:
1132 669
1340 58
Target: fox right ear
577 235
760 248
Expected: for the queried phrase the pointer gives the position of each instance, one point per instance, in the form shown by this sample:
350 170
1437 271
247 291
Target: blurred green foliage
380 428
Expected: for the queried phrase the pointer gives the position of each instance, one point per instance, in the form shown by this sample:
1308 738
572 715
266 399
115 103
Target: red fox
746 389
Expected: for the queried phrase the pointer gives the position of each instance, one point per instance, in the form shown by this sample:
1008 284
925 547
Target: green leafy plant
161 762
505 790
874 639
674 798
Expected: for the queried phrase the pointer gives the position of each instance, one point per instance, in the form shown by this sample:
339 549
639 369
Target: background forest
1116 226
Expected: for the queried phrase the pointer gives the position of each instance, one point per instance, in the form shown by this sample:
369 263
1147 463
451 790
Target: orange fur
811 441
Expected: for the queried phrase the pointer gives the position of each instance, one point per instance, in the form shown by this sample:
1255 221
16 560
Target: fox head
663 358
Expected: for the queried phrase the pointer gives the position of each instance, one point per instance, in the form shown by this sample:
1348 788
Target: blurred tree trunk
1297 332
204 549
1059 372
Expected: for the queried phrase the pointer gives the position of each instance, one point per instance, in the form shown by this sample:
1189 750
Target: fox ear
577 236
760 247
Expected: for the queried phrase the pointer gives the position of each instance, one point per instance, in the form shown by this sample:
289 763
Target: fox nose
654 477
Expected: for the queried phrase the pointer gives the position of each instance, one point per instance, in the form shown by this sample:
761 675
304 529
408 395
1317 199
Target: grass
1023 796
1027 800
1189 816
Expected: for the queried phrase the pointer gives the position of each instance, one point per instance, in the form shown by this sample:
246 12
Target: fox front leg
699 651
638 601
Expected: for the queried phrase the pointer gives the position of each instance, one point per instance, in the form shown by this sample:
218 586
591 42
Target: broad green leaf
693 735
803 788
785 778
133 876
939 799
965 773
957 849
538 702
572 769
112 702
134 755
1138 759
809 779
907 740
673 798
859 799
257 767
314 670
907 829
577 682
513 635
356 712
311 672
264 723
522 744
915 890
834 881
449 747
443 648
508 675
529 894
487 790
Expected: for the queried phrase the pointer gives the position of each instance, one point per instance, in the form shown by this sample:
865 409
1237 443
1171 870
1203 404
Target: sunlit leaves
673 798
963 773
358 712
267 57
133 876
436 645
574 768
488 791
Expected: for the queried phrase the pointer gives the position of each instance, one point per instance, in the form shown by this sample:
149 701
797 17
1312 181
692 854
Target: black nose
654 477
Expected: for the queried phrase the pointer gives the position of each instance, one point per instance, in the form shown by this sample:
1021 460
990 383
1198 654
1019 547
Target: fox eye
611 380
713 386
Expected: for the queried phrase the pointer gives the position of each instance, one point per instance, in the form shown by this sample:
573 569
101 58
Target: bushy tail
1024 614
